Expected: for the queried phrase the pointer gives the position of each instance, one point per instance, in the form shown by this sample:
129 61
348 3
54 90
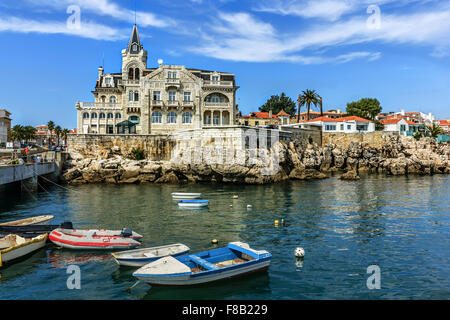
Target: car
272 126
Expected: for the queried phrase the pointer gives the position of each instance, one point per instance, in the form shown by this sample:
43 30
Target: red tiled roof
343 119
261 115
391 121
283 113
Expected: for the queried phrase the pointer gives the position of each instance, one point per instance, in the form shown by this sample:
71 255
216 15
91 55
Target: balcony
157 103
188 103
170 82
173 103
209 83
217 104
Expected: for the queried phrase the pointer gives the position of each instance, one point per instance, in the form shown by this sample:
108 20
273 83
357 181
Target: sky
397 51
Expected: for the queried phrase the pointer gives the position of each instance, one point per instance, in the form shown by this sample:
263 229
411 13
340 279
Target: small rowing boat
140 257
95 239
193 203
38 220
235 260
32 231
180 195
13 247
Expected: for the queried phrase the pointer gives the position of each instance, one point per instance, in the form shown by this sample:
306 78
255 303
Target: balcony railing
218 104
173 103
102 105
218 83
157 103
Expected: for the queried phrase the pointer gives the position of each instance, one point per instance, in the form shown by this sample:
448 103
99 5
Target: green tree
435 130
17 133
64 134
29 133
51 127
366 108
277 103
310 97
58 132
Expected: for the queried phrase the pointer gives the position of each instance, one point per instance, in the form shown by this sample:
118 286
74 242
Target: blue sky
394 50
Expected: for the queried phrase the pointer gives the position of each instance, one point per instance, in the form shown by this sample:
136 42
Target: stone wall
374 139
100 146
302 136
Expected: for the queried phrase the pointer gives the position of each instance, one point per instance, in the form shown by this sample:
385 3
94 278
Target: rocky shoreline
399 156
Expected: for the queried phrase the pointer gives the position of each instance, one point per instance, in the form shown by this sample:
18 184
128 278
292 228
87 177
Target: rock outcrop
398 156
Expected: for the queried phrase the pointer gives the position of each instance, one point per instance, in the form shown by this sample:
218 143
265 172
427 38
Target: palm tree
51 127
17 133
58 132
310 97
435 130
29 133
65 132
299 106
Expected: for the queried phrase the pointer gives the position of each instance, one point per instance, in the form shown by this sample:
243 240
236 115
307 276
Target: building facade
259 119
401 126
351 124
5 126
160 100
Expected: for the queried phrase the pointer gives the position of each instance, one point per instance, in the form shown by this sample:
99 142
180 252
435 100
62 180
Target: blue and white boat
193 203
141 257
235 260
183 195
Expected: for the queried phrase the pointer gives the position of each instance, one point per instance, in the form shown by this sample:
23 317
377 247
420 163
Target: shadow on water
250 285
22 266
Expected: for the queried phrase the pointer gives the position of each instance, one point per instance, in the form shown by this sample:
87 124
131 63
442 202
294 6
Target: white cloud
87 29
242 37
108 8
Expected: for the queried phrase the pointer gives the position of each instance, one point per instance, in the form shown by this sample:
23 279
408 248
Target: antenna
103 60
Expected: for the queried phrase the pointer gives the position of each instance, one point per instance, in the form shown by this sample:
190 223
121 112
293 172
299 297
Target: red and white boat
95 239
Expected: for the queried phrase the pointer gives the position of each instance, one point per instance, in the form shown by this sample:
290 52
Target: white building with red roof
350 124
400 125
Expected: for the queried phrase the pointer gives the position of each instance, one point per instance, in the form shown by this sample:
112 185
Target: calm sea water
400 224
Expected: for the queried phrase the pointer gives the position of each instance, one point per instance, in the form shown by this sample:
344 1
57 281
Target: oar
134 285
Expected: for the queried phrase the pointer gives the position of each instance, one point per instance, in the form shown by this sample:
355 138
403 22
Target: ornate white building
158 100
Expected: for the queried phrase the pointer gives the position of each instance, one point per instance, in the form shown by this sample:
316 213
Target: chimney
270 114
402 112
338 110
100 72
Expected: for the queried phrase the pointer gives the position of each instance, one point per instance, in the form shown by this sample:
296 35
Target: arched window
94 115
85 115
136 96
102 115
216 98
136 73
134 119
187 118
156 117
130 96
130 74
110 116
118 116
171 117
103 99
112 99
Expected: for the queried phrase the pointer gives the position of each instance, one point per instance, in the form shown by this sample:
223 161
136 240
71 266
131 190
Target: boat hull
8 255
39 220
192 279
127 262
78 240
186 195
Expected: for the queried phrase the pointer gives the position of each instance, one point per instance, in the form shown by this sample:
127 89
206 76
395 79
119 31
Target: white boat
141 257
13 247
95 239
193 203
38 220
180 195
235 260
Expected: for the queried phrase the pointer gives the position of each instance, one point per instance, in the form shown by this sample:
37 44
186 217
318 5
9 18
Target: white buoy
299 252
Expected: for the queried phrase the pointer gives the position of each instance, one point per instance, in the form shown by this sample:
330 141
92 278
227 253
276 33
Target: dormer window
108 81
134 48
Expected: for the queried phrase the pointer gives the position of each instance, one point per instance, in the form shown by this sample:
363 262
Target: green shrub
310 139
417 135
138 154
